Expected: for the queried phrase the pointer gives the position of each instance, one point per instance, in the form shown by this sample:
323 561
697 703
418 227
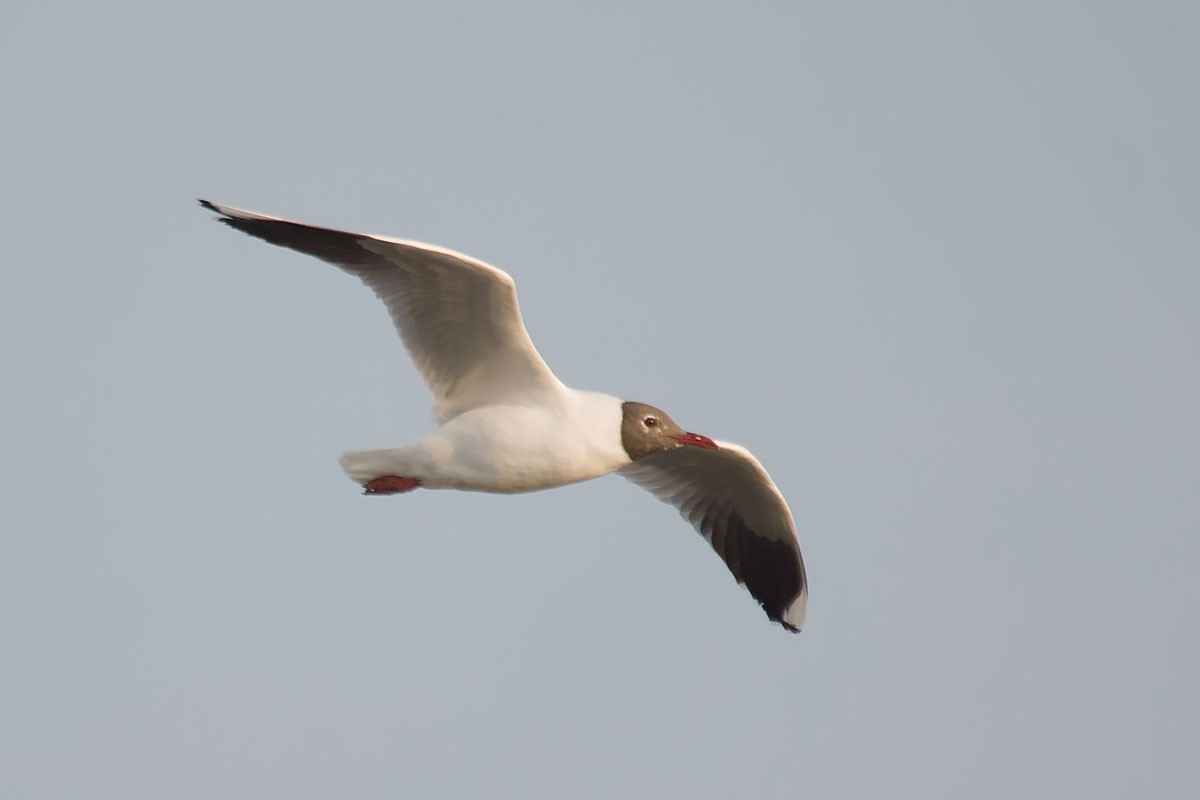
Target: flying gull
507 424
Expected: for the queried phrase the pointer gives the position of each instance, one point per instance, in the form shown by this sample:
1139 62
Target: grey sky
935 264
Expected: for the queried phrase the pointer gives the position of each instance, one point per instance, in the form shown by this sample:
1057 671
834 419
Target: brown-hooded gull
507 424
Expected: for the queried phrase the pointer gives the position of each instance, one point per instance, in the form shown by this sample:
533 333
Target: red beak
696 440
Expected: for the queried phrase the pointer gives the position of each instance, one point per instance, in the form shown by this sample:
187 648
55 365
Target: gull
506 424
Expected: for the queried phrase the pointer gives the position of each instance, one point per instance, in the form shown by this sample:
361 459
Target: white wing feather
457 316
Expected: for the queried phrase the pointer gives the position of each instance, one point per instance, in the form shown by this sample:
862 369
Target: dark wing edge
732 502
341 248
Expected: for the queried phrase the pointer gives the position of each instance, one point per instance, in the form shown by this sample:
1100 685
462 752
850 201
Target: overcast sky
937 264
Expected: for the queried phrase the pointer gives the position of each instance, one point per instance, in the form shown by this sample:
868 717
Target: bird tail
366 465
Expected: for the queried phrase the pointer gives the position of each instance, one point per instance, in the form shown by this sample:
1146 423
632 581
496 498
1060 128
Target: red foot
390 484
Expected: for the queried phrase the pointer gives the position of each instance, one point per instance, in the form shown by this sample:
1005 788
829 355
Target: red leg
390 484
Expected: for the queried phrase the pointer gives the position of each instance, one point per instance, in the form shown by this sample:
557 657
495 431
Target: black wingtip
778 616
224 217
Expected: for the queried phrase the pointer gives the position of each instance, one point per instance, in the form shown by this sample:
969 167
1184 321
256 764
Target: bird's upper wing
732 501
458 317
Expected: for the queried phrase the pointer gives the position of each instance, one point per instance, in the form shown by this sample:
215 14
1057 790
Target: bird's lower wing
732 501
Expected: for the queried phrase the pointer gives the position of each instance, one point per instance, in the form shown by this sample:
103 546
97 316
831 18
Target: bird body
508 424
509 448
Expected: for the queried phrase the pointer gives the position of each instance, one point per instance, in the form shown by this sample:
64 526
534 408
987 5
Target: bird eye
651 421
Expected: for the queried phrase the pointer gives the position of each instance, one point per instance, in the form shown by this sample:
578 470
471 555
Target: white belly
508 448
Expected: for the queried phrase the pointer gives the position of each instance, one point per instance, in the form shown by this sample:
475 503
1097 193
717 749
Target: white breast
509 448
